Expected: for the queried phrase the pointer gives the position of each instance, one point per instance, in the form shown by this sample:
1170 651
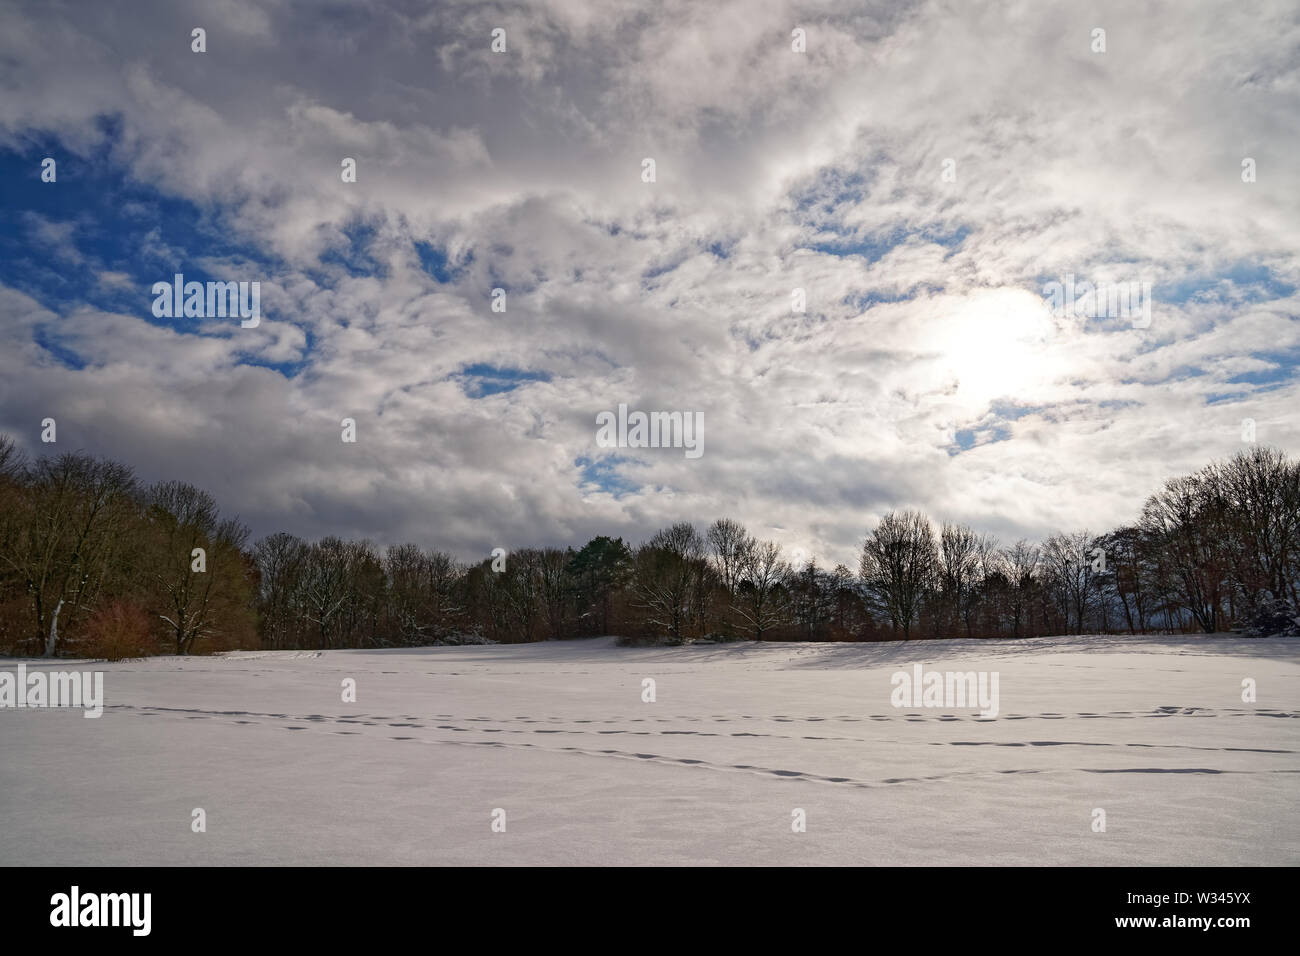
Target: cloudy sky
921 171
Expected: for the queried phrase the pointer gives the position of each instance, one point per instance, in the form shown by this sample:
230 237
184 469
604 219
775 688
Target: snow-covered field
1153 731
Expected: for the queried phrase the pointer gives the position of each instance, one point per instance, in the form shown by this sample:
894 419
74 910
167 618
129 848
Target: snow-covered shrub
649 640
718 638
462 638
666 640
1277 618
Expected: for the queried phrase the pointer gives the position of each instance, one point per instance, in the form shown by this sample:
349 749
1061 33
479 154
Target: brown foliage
120 628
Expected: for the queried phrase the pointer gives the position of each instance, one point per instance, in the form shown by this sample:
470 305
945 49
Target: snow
1153 731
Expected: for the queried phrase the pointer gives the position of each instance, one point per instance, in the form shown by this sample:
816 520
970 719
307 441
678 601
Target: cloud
927 369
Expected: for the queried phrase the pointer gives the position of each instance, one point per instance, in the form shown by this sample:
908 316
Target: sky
921 171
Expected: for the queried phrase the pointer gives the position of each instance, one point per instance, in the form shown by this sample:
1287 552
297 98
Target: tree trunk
53 639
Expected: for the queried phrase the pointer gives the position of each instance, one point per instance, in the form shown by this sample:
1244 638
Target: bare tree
898 565
523 588
14 510
761 595
1067 566
409 605
1021 562
1260 492
1187 518
729 545
1133 581
668 567
68 525
281 559
328 584
957 573
194 562
556 590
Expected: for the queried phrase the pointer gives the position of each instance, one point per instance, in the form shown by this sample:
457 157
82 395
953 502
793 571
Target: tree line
93 562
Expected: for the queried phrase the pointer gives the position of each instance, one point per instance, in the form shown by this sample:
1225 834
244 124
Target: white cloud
525 168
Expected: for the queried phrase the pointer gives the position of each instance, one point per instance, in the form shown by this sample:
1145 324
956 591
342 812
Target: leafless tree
667 572
1187 519
761 596
729 546
962 558
1260 492
64 535
1067 567
1020 564
898 565
329 584
194 595
281 559
555 590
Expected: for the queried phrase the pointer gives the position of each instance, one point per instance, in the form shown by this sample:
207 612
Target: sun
995 344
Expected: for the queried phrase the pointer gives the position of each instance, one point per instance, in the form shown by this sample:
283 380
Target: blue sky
925 370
